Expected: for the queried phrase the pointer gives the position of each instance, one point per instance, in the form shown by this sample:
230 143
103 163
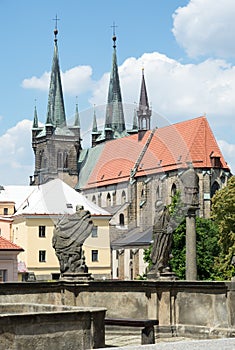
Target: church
125 171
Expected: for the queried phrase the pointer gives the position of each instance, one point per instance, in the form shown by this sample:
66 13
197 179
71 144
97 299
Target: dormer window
215 160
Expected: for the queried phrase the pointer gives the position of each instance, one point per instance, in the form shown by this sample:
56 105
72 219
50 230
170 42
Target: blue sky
185 46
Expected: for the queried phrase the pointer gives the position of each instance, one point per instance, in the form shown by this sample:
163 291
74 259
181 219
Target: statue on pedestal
69 235
163 229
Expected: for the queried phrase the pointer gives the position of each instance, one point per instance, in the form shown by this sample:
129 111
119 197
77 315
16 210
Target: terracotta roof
170 148
7 245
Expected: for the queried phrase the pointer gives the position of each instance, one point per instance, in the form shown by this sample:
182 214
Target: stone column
191 251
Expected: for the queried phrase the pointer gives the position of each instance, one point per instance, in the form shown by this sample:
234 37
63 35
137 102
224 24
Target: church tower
114 119
144 112
56 146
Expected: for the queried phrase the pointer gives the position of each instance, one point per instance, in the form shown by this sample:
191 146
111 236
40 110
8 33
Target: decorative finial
56 19
114 35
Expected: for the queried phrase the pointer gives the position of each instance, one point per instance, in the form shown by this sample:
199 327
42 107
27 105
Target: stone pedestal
74 276
167 275
191 251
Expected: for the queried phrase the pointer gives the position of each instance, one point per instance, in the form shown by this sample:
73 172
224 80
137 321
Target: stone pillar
191 251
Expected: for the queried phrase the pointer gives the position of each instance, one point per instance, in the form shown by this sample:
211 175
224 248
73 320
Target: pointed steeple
55 109
77 119
35 119
114 111
144 112
94 126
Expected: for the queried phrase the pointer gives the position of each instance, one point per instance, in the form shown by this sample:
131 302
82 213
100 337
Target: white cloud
206 27
228 151
177 90
75 80
16 155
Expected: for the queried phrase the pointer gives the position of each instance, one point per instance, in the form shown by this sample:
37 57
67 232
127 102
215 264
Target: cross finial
56 19
114 34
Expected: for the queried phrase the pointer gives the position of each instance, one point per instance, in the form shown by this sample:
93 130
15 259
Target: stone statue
190 181
163 229
69 235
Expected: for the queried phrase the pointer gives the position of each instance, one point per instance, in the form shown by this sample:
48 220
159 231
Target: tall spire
114 111
55 109
35 119
94 126
144 112
77 119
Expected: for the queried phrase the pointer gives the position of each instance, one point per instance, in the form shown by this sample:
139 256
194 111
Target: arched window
94 199
215 187
60 160
66 157
123 197
121 220
173 190
108 200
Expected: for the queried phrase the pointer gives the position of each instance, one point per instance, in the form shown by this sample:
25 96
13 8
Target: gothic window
173 190
94 199
121 220
66 160
99 200
114 198
60 160
108 200
215 187
123 197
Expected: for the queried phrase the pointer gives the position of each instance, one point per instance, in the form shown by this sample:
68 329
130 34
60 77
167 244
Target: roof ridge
10 243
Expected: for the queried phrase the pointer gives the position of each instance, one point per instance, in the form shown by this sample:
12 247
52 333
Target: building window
66 160
94 232
94 255
123 197
215 187
173 190
3 275
59 160
42 256
42 231
5 211
108 200
93 199
121 220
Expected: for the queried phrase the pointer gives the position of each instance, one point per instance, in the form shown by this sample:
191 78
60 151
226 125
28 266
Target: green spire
114 111
55 108
77 119
94 126
35 119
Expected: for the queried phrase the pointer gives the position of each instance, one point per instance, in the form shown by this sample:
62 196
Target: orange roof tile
170 148
7 245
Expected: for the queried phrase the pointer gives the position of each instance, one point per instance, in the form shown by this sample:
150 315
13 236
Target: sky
186 48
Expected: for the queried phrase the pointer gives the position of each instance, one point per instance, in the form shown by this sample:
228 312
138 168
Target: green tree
223 213
208 248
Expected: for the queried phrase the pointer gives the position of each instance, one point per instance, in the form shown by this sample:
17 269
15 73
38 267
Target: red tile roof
7 245
170 148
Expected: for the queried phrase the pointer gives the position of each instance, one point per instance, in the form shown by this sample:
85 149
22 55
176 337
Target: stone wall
40 326
200 309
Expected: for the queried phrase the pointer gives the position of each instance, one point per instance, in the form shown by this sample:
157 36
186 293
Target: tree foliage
207 238
223 214
207 249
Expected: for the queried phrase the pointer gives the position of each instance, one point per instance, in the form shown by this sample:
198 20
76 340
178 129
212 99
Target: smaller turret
144 112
